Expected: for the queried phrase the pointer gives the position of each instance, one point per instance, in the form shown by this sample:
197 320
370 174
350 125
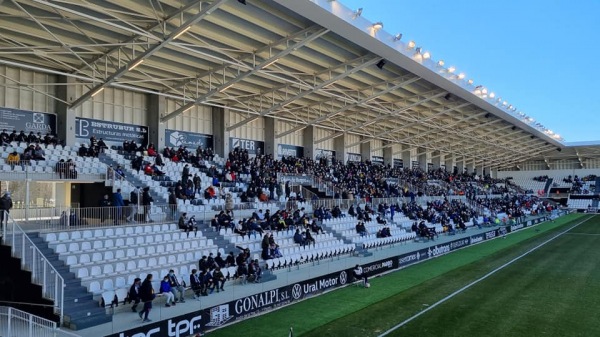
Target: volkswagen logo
343 277
296 291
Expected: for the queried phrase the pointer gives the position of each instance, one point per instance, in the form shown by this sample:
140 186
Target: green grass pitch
552 291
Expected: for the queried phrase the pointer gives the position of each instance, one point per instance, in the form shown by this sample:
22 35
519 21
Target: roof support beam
382 117
309 37
360 102
149 52
348 71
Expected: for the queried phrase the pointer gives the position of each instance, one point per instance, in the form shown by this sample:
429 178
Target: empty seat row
108 232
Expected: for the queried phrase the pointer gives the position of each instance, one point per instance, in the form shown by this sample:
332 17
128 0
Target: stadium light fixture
136 64
397 37
182 32
492 95
451 70
98 91
440 63
411 44
461 76
377 26
357 13
380 64
418 50
470 82
426 55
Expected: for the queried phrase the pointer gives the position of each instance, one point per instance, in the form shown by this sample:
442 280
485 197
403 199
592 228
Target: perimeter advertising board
354 157
254 147
111 132
187 139
284 150
28 121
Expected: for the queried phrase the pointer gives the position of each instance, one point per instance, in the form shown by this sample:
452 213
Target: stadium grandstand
269 145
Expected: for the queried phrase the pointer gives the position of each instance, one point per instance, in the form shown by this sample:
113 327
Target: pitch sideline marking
480 279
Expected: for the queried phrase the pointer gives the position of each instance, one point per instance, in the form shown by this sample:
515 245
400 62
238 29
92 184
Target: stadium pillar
470 167
339 146
156 128
66 128
422 158
365 151
460 165
406 160
479 170
308 141
388 155
449 162
436 160
270 141
220 134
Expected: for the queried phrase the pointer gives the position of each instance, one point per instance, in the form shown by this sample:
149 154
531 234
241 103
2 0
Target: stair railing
33 260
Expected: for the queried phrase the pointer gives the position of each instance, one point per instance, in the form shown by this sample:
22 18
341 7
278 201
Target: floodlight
357 13
377 26
397 37
411 44
380 64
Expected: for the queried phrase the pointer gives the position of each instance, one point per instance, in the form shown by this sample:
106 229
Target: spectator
230 260
119 174
172 204
13 159
176 287
254 271
309 238
146 202
165 289
220 261
361 229
71 169
196 284
104 208
147 296
118 203
298 238
134 293
38 153
133 204
185 174
5 206
219 279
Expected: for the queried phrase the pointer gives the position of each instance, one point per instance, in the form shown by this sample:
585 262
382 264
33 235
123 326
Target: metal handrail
33 260
15 322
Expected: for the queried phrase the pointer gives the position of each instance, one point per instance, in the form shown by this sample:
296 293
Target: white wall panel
351 139
27 90
322 133
295 138
114 104
254 130
197 119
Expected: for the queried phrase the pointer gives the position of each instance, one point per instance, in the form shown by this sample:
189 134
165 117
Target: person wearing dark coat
146 200
134 293
147 296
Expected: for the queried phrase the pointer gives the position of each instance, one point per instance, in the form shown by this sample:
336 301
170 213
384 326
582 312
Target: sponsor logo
343 278
459 243
38 118
184 327
177 139
502 231
476 239
354 157
490 235
388 264
258 301
219 315
438 250
296 291
243 144
175 328
286 151
409 258
516 227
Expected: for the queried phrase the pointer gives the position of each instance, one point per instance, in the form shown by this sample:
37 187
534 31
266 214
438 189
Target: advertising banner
399 163
191 140
415 164
354 157
180 326
284 150
254 147
377 160
296 179
322 153
28 121
111 132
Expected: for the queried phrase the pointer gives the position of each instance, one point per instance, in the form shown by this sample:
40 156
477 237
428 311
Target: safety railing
32 259
14 322
33 170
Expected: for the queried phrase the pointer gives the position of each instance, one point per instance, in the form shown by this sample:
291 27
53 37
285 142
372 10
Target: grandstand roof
304 62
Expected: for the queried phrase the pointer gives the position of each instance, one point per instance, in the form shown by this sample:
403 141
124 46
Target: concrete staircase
359 251
80 309
548 185
133 179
